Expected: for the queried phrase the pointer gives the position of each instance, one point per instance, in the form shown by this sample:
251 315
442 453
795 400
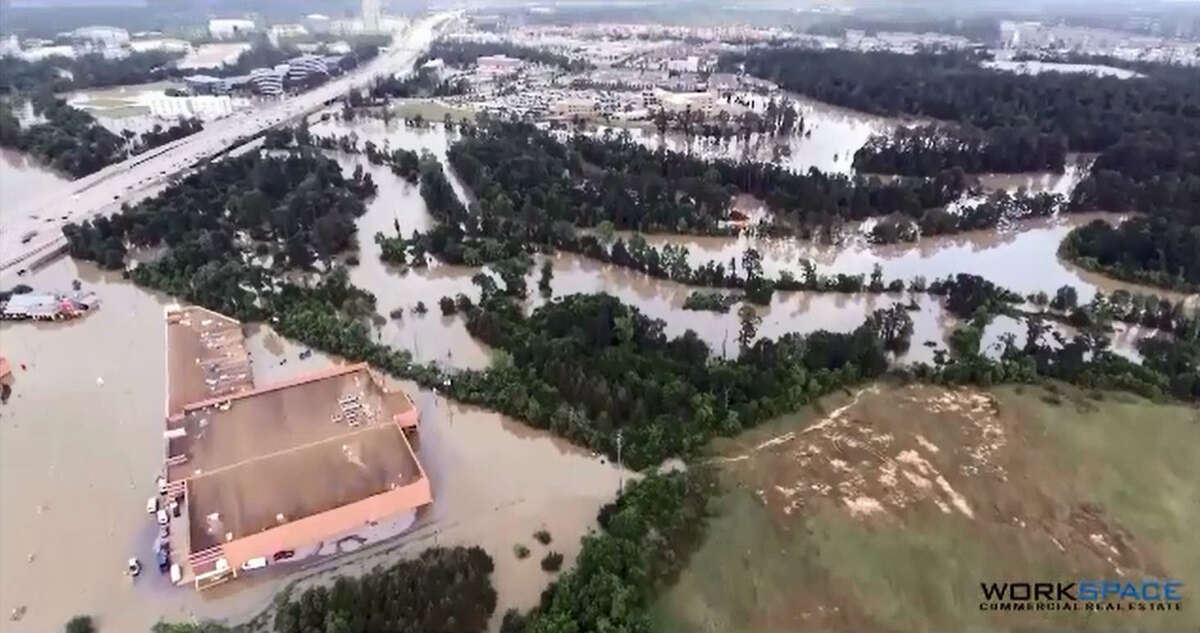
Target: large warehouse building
260 472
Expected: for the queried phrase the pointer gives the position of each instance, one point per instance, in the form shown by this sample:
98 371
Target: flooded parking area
81 443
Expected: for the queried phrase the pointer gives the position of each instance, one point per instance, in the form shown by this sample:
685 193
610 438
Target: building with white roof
107 36
230 28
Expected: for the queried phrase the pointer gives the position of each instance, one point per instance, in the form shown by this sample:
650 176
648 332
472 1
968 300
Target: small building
286 31
317 23
676 102
572 107
497 64
230 28
105 36
689 64
168 44
206 85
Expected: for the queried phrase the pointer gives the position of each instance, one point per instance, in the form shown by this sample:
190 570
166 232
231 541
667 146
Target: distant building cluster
1037 37
299 71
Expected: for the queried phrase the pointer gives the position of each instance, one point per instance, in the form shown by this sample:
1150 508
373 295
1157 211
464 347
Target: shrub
521 551
552 562
542 536
81 624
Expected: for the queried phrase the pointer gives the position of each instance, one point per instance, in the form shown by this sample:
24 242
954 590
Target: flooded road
22 178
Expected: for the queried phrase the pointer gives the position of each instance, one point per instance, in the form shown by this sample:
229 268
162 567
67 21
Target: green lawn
1128 466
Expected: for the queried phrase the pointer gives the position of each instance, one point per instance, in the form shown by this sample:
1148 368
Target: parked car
284 554
163 558
255 563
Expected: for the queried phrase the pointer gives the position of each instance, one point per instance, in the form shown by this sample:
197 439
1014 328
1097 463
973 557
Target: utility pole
620 469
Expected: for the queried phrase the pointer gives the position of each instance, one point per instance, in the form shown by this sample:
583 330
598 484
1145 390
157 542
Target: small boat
134 567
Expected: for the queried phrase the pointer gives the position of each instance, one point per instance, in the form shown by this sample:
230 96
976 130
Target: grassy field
884 510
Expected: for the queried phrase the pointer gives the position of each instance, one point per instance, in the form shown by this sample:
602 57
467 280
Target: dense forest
295 209
535 190
158 135
1147 250
929 150
69 140
93 70
445 590
463 54
1146 129
1093 113
448 590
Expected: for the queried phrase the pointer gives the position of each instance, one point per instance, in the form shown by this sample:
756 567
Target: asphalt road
146 174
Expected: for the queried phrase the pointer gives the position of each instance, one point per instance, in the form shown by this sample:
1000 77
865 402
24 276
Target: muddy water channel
81 444
1023 259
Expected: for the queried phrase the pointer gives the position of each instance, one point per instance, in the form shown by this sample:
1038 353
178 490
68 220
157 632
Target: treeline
93 70
422 83
645 539
403 162
443 589
448 590
158 135
1146 250
998 210
463 54
590 366
779 117
928 150
1146 130
1092 112
69 140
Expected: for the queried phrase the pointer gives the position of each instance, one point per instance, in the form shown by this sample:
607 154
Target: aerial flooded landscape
370 316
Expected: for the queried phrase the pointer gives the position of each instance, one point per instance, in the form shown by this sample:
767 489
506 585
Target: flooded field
1023 259
830 137
1036 67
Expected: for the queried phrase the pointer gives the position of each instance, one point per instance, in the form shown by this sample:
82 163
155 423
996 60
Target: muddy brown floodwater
1023 258
23 181
830 137
81 444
